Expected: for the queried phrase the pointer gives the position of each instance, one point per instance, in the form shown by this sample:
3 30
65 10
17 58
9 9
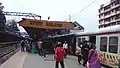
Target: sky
59 10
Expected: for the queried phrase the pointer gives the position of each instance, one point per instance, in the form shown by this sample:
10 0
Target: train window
79 41
103 44
83 39
107 56
113 44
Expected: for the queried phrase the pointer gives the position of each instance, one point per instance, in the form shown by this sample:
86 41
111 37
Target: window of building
114 23
118 22
111 18
99 26
111 5
113 44
116 17
108 24
105 25
107 13
103 44
99 11
99 16
107 7
116 2
99 21
112 11
107 20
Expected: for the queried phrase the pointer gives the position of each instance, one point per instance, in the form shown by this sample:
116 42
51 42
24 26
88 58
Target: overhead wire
82 9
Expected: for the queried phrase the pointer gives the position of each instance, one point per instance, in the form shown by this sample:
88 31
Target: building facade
109 14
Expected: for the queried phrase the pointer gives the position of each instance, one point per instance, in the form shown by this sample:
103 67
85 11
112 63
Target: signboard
46 24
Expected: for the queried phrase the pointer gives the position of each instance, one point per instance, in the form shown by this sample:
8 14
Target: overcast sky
59 10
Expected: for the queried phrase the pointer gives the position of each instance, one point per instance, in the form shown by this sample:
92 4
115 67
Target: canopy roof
45 24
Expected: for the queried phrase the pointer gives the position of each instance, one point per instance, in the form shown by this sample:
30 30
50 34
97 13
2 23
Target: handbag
77 52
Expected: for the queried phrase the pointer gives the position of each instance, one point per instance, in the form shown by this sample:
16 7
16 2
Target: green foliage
1 6
11 25
2 18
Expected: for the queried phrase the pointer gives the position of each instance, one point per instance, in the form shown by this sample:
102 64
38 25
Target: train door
102 45
108 49
113 50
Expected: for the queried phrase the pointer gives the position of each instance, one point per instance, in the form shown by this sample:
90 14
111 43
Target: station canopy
44 24
38 28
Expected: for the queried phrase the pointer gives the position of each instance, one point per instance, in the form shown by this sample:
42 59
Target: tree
2 17
11 25
1 6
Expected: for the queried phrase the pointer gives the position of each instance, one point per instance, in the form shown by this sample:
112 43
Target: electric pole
69 18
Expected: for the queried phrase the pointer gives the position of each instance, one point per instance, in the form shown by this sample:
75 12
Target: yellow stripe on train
109 59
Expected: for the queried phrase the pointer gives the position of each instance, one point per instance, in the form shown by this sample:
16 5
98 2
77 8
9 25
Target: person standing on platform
85 48
71 52
55 46
60 54
43 48
65 46
28 46
33 47
78 53
22 45
39 47
93 58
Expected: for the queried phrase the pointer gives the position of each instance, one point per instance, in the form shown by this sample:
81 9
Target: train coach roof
84 33
110 29
115 28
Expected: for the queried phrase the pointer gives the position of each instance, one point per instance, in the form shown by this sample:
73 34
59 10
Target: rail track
7 49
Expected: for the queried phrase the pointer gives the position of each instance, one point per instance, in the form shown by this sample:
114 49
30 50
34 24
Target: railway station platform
29 60
16 61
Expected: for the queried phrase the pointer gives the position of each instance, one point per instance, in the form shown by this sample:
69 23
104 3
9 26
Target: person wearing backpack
60 54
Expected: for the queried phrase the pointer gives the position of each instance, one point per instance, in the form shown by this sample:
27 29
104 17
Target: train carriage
107 41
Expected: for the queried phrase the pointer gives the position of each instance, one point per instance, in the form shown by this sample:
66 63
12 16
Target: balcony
115 20
102 17
107 22
112 8
101 23
101 11
118 5
108 16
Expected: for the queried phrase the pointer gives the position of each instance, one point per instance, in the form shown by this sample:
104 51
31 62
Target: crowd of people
33 47
86 51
